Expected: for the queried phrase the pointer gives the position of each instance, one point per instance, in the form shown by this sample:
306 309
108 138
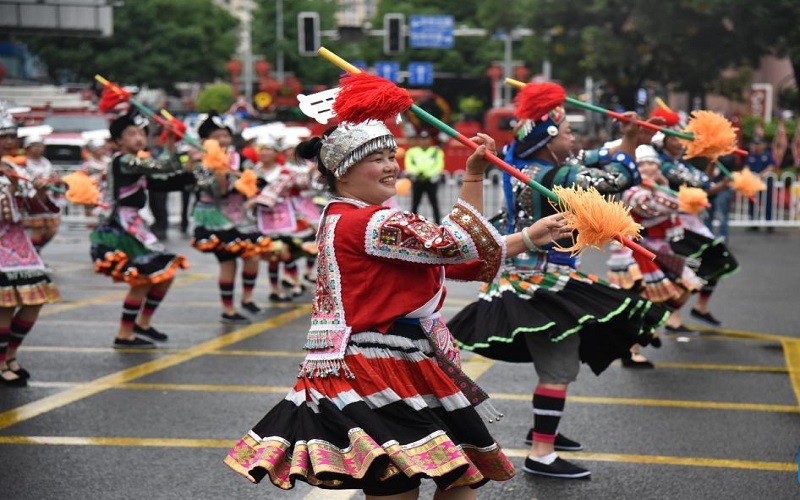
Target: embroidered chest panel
409 237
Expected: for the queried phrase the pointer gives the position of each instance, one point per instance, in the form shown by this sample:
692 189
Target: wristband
527 240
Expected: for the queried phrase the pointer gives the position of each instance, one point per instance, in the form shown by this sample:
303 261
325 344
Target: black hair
310 150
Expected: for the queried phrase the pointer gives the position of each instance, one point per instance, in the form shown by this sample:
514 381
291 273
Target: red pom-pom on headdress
110 98
670 117
368 97
538 99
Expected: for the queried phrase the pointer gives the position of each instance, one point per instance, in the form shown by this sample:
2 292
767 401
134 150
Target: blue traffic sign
359 64
388 69
431 32
420 73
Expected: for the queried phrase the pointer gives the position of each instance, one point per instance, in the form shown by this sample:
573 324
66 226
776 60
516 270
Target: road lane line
49 403
116 296
511 452
791 350
668 460
744 334
475 366
664 403
722 367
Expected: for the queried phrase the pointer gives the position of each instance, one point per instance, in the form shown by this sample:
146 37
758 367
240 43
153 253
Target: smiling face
267 155
372 179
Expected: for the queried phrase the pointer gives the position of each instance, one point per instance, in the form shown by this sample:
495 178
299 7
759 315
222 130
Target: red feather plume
176 127
368 97
537 99
109 99
670 117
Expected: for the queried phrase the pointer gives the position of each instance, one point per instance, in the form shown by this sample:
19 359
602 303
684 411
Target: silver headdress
8 126
351 143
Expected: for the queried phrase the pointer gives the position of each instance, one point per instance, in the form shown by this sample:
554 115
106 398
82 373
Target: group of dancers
380 400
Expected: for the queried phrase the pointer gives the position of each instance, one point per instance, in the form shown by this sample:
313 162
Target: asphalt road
717 418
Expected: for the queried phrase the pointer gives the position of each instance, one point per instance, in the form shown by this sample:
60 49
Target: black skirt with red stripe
398 419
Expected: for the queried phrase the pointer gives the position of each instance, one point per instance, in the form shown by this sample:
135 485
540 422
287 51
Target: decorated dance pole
126 96
22 178
432 120
619 116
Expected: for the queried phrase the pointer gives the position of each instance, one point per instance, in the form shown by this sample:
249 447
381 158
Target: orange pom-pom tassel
82 188
215 158
714 136
748 183
692 200
368 97
246 184
597 219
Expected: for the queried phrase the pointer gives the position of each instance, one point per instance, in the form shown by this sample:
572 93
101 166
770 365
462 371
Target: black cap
212 123
130 119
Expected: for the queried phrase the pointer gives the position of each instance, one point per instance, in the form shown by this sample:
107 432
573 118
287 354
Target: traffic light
394 40
307 33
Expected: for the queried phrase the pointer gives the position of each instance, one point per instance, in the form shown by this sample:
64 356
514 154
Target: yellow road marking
475 366
722 367
791 350
82 391
667 460
276 354
111 297
667 403
511 452
76 349
269 389
746 334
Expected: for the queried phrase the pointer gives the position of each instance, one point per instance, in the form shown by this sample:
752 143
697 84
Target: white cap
32 139
95 143
646 152
268 141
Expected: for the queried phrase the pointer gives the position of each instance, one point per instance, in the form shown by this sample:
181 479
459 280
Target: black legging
431 188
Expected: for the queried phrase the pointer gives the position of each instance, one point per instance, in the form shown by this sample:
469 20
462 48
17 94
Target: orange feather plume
714 136
215 158
16 160
748 183
692 200
597 219
246 184
82 188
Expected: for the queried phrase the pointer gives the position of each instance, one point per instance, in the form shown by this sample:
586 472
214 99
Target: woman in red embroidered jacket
381 401
24 283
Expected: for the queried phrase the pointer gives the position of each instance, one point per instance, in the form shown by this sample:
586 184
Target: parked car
64 147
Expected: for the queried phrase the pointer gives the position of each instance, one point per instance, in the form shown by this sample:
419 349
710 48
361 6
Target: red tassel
176 127
368 97
670 117
535 100
111 98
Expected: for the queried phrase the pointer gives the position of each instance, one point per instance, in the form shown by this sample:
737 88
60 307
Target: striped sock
249 282
130 309
548 406
151 303
226 293
5 338
291 270
273 276
19 329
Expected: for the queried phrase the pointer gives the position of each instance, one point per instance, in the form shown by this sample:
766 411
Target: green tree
216 97
155 42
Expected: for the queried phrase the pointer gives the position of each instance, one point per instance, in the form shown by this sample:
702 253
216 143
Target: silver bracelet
527 240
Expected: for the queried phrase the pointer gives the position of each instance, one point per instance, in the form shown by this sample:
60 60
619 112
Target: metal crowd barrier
783 199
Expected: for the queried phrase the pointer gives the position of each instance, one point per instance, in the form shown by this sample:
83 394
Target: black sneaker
559 468
274 297
234 319
252 308
134 343
707 317
151 333
562 443
680 329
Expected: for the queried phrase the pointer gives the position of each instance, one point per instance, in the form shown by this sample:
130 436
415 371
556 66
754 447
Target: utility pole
279 37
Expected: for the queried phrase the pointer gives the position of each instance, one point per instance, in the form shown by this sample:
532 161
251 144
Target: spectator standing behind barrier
720 195
424 164
761 163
